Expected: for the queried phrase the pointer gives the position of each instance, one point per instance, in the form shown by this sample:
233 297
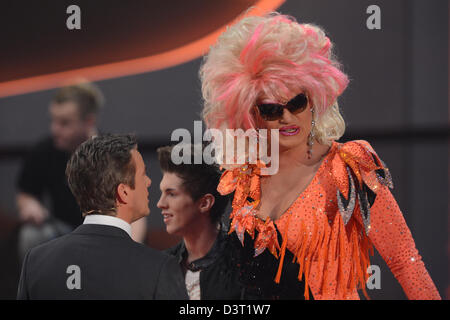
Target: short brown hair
198 179
97 167
85 95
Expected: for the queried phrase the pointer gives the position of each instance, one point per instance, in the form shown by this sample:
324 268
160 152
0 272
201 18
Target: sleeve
393 240
170 282
31 176
22 291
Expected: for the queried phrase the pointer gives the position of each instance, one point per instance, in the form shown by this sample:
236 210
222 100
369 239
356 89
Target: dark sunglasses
274 111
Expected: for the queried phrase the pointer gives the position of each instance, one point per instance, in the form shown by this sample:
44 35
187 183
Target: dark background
397 100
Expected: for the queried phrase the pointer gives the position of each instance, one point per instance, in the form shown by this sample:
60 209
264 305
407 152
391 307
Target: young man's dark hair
198 179
97 167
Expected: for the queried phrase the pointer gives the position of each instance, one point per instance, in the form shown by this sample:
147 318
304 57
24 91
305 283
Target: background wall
397 99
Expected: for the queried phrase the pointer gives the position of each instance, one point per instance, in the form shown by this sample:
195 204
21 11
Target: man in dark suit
99 260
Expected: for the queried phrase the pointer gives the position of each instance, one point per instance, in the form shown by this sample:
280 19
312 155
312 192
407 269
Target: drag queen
308 230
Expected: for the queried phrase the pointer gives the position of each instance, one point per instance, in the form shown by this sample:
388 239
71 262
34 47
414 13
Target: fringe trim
342 245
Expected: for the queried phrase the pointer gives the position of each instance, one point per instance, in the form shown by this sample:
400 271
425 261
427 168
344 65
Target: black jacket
99 262
219 276
44 174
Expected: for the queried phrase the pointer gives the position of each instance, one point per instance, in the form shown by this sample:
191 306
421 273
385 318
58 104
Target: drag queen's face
294 127
178 208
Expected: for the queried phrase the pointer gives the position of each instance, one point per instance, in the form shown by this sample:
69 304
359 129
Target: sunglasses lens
274 111
298 104
270 111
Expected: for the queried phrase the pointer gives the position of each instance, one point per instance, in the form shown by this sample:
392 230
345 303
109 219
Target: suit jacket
99 262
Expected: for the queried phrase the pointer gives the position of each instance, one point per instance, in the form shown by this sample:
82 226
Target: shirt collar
108 221
208 259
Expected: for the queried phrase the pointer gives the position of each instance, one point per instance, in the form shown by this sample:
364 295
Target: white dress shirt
108 221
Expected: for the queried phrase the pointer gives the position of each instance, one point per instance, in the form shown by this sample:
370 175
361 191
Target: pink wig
273 58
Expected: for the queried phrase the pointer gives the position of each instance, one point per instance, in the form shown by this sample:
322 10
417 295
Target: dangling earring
310 142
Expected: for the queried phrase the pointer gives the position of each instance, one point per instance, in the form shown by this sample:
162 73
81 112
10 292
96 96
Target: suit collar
109 221
102 230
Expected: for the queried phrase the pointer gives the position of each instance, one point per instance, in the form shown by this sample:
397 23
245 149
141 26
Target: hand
31 209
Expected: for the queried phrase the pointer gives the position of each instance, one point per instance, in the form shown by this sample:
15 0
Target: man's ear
122 193
206 203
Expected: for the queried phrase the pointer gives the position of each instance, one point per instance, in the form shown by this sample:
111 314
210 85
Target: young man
73 111
99 260
192 208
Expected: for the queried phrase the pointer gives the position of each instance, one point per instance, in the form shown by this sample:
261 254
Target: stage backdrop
397 99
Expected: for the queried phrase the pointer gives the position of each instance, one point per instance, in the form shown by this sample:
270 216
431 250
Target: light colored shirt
192 282
108 221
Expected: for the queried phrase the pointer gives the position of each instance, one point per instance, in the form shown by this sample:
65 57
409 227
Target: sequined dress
330 230
256 273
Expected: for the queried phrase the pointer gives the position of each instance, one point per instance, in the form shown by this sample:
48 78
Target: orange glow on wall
163 60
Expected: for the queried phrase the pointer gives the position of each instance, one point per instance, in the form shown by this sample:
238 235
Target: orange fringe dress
332 226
